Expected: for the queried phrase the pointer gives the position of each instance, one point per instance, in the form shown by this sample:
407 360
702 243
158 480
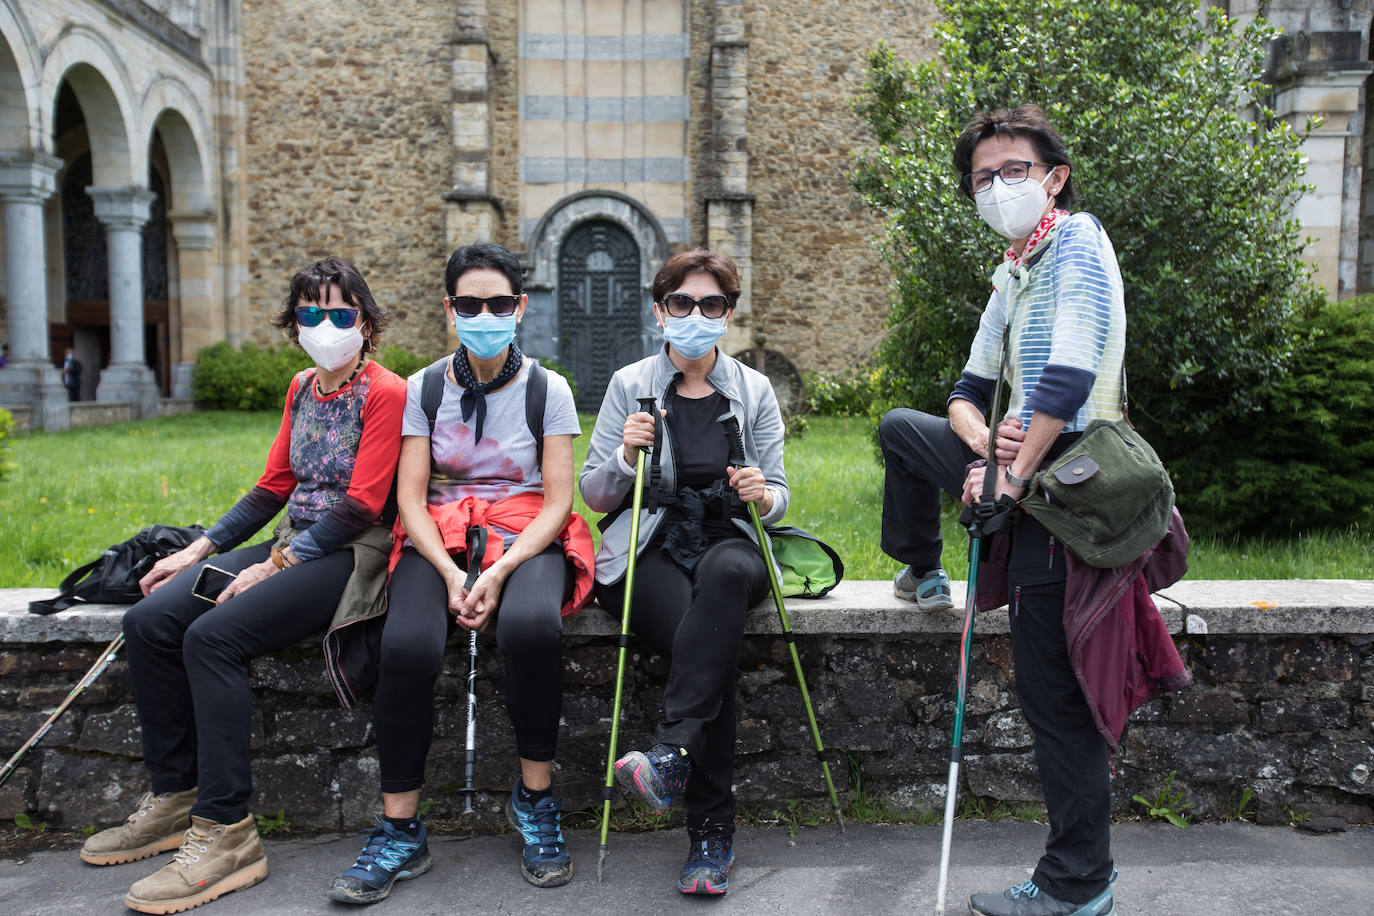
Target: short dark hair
483 256
312 285
698 260
1024 121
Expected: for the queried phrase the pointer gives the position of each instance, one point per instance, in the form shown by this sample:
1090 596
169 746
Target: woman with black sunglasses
699 569
331 465
472 471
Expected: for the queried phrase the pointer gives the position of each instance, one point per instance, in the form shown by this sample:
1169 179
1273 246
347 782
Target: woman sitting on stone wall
699 569
470 460
189 640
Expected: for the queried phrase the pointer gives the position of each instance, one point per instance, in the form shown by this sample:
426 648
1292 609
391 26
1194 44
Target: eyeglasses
310 316
1013 172
469 306
680 305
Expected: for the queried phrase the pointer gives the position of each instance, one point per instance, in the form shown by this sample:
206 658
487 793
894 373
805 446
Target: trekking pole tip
839 819
600 864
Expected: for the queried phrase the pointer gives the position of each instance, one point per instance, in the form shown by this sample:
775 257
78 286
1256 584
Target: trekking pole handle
646 405
734 438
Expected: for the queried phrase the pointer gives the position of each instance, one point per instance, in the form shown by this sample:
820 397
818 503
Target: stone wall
821 293
349 151
1286 714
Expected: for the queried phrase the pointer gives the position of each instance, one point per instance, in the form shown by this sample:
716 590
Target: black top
699 441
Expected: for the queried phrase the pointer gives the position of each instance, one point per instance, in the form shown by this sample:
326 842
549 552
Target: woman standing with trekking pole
486 460
699 569
190 639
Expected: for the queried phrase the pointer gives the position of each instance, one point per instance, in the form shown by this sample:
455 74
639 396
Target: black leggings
529 631
188 661
697 621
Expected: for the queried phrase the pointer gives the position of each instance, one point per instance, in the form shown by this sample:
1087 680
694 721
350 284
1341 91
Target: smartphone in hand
210 581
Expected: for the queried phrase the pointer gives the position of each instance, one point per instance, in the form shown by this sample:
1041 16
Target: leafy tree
1155 103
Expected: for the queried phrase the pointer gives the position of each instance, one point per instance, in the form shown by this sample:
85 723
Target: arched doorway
599 306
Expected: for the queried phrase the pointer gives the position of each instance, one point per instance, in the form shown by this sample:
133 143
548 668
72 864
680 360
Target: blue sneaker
655 776
388 856
1029 900
931 591
707 869
545 861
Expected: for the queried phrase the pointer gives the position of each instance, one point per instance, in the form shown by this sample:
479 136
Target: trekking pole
646 405
477 549
101 663
981 519
736 440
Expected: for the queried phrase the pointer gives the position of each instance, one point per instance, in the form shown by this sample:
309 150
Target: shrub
1174 149
1305 458
554 365
6 426
401 361
850 394
251 378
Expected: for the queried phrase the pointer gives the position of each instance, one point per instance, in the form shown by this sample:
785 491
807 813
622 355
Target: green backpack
810 568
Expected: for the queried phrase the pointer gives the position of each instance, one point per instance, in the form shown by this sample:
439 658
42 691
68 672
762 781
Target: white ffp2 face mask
1013 210
331 348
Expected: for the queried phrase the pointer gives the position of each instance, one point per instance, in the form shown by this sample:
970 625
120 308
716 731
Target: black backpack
112 578
536 389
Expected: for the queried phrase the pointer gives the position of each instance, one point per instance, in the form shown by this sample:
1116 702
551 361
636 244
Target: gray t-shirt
503 463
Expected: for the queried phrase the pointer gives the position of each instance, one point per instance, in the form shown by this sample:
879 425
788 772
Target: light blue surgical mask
694 335
485 335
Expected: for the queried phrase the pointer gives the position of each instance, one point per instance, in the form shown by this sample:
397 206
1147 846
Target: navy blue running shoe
655 776
707 869
545 861
1027 899
389 855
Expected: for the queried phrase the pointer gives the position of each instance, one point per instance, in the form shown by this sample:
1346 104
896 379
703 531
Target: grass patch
74 493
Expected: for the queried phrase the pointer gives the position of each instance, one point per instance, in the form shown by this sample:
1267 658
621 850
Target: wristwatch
1014 480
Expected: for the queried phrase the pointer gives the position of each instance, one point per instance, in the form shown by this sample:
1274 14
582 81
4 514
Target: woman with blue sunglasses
190 639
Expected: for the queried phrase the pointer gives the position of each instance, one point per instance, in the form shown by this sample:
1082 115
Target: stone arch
543 334
170 111
19 79
85 60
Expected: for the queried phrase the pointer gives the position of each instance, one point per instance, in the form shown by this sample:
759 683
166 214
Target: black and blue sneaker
707 869
1027 899
389 855
545 861
655 776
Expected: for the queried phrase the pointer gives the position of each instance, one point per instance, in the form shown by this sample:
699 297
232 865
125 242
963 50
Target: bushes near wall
1305 458
251 378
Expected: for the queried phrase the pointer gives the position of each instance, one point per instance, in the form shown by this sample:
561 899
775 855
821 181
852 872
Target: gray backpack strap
536 394
432 392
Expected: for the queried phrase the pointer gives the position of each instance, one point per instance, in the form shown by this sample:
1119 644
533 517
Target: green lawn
75 493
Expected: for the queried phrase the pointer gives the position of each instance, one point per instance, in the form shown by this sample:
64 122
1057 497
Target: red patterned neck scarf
1041 234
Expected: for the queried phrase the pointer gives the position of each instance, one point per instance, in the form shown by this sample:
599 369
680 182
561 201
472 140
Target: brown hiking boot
156 826
214 859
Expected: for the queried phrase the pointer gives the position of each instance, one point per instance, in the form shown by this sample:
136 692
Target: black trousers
922 455
188 661
697 621
1070 753
529 632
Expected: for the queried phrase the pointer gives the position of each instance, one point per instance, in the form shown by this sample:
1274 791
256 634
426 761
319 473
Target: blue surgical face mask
485 335
694 335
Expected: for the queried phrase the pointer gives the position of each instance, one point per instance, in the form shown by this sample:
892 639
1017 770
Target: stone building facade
203 150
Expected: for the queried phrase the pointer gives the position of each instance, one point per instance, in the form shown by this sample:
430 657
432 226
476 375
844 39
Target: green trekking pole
736 440
646 405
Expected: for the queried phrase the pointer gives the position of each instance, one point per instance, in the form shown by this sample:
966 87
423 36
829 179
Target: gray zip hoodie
607 477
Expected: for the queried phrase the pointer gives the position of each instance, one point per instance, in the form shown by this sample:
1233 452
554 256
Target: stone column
729 205
123 212
1322 75
472 213
202 321
27 179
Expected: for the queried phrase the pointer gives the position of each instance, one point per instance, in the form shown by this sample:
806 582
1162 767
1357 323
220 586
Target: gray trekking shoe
1027 899
155 826
931 592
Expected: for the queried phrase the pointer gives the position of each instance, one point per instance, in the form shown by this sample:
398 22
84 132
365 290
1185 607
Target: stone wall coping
862 607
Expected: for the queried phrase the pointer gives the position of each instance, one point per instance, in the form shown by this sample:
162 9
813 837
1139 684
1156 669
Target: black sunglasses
680 305
310 316
470 306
